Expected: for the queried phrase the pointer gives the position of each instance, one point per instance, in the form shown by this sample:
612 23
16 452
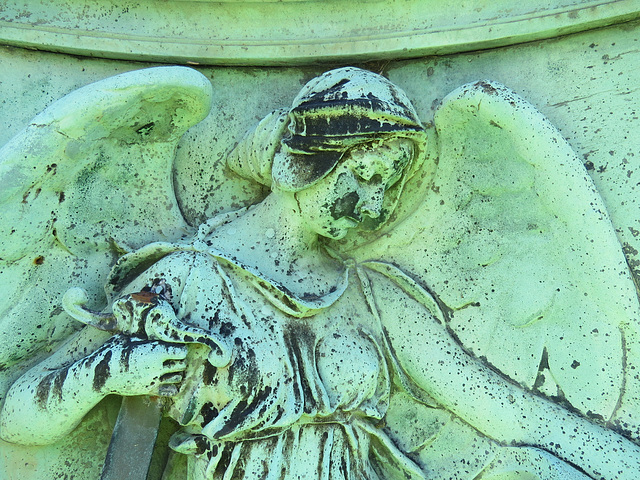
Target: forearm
511 415
503 410
44 405
48 401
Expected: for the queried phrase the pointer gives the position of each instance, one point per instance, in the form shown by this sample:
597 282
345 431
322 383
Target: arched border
292 32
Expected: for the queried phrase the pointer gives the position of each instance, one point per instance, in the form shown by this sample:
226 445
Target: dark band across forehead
314 128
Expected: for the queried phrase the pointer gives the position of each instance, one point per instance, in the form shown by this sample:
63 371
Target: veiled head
335 112
342 149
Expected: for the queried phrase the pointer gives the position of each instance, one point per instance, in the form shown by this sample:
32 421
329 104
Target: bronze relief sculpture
407 301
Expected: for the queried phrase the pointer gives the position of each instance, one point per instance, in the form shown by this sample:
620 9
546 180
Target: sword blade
133 439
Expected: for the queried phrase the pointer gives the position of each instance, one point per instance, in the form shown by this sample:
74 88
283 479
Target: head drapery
334 112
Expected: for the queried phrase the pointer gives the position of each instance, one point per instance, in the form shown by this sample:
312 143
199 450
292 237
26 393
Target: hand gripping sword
134 435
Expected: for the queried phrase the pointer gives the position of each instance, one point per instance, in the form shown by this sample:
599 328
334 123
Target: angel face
355 188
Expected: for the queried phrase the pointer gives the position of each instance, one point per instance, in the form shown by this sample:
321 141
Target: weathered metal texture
133 439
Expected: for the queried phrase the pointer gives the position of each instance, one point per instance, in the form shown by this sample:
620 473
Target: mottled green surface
533 277
586 84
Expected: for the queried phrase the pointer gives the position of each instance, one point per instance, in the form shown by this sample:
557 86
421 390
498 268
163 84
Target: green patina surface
521 222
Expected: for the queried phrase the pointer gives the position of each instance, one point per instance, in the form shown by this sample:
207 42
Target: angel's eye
375 179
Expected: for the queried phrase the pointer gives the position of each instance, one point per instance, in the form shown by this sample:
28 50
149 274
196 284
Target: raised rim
264 33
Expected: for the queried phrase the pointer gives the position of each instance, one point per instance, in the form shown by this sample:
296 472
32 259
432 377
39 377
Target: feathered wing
514 240
89 179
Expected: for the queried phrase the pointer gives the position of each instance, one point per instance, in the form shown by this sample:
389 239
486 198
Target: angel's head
344 150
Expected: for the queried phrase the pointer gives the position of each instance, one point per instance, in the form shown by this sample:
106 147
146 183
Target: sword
133 439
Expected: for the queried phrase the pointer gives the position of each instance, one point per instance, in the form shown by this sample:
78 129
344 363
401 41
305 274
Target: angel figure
406 302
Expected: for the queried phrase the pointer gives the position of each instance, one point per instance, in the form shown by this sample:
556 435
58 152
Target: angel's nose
371 205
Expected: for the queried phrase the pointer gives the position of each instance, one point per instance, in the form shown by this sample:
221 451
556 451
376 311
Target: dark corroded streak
44 388
101 372
208 373
242 410
58 382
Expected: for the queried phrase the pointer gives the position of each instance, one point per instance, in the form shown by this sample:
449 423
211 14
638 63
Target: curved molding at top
271 32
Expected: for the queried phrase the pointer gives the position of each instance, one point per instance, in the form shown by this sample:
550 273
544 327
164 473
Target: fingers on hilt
162 326
137 312
133 312
220 355
74 303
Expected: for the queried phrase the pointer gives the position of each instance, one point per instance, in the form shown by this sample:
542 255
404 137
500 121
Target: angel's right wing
89 179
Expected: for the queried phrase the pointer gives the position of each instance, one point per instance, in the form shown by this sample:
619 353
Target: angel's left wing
511 236
87 180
